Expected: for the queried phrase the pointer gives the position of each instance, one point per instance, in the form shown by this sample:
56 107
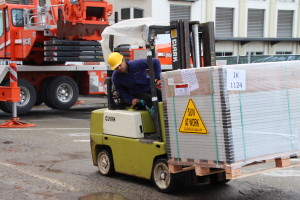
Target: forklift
132 142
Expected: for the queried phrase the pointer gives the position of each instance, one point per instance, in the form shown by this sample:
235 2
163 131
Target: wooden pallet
185 165
283 162
233 171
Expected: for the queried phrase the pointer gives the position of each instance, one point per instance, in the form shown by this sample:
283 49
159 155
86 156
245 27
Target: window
17 17
254 53
288 1
285 23
180 12
224 53
185 0
283 52
1 23
6 20
125 13
42 2
138 13
224 22
255 27
130 13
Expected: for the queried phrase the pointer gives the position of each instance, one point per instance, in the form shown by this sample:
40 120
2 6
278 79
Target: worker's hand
134 102
158 82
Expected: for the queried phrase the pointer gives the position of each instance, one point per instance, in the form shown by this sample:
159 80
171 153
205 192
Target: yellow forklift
130 141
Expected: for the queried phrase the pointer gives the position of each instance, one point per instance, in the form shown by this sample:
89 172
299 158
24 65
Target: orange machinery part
15 123
164 54
78 13
166 59
11 93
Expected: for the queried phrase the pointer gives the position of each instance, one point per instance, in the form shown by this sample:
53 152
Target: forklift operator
132 81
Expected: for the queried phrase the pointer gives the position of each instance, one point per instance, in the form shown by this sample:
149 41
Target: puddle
103 196
7 142
54 170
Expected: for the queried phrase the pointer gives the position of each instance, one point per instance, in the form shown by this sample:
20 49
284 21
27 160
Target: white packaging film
250 111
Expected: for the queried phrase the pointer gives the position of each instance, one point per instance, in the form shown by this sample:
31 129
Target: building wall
205 10
271 8
160 10
146 5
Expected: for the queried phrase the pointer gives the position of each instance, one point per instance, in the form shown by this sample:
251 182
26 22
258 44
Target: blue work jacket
136 81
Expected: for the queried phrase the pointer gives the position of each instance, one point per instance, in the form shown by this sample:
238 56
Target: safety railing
41 18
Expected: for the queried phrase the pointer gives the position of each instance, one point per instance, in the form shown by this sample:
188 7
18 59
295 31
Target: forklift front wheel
105 163
161 177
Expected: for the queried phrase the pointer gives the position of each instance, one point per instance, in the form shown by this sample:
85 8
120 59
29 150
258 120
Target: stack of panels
193 146
259 120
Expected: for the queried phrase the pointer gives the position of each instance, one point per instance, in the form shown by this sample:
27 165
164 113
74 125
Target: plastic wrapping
251 112
130 32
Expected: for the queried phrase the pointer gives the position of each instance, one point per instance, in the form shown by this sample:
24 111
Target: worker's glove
142 103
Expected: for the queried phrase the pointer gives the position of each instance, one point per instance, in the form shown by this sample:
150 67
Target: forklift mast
190 41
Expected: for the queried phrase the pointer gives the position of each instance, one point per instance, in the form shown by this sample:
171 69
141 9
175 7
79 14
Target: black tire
161 177
218 179
44 90
27 95
39 100
61 93
105 163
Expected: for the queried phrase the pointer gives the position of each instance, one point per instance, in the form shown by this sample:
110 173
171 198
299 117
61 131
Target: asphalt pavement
53 161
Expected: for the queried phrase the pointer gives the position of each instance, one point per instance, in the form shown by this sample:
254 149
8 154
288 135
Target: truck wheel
218 179
27 98
62 92
44 90
39 100
105 163
161 177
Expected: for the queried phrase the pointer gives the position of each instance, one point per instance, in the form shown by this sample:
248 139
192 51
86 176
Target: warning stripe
13 73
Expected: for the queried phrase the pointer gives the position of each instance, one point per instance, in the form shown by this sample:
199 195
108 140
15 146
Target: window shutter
180 12
224 22
255 25
285 23
138 13
125 13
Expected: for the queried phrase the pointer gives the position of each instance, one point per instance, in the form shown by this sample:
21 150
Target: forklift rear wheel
161 177
105 163
218 179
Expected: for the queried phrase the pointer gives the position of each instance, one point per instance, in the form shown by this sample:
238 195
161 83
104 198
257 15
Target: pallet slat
232 171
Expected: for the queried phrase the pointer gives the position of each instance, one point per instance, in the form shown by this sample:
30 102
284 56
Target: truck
57 48
129 141
42 39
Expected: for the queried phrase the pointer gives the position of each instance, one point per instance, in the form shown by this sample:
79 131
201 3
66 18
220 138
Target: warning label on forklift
191 121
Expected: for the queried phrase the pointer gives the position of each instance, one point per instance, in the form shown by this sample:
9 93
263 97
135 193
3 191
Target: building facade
242 27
